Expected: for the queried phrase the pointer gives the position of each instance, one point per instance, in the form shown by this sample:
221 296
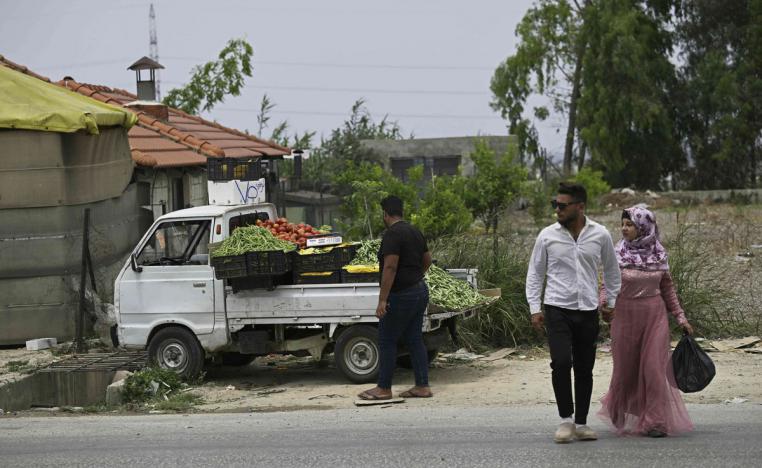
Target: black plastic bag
693 368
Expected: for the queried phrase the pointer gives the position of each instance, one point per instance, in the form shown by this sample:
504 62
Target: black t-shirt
407 241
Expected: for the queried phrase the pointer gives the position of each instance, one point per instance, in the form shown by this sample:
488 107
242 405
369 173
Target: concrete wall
440 147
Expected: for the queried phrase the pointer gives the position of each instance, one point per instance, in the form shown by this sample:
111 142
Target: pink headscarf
645 252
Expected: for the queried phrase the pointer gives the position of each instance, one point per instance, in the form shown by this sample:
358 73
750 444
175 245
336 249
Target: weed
179 402
17 366
150 383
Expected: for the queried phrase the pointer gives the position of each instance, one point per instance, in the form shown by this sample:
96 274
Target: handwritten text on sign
237 192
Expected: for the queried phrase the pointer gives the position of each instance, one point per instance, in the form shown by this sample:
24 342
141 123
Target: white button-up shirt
571 268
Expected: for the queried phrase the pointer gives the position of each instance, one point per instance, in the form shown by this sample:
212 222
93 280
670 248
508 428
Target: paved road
726 435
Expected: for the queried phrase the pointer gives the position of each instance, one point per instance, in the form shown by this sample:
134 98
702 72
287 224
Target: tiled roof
183 140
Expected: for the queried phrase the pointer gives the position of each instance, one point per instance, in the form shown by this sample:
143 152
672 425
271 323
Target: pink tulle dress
642 394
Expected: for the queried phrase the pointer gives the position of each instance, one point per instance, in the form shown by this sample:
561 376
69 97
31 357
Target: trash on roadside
740 343
462 355
736 400
499 354
230 387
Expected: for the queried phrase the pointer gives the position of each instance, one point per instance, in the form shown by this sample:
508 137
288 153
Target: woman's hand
607 314
688 328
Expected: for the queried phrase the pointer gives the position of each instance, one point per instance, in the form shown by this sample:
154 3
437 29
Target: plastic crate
232 266
317 262
260 282
347 277
347 253
275 262
302 278
221 169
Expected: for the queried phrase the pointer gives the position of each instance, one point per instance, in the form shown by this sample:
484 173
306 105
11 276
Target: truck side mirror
134 264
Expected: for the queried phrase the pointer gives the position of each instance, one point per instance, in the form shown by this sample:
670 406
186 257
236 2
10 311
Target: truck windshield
177 243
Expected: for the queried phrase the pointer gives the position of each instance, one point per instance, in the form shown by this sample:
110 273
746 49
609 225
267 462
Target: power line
344 114
360 90
350 65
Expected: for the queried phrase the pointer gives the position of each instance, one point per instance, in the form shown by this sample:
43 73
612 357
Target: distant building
439 156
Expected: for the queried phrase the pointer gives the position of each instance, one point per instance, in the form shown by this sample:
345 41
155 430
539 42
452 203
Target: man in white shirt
565 259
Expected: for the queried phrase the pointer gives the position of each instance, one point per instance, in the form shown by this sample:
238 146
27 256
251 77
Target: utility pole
154 47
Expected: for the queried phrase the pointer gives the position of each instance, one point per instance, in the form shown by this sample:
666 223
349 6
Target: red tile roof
184 140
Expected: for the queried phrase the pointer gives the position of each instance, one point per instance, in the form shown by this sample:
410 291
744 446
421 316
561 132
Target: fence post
79 341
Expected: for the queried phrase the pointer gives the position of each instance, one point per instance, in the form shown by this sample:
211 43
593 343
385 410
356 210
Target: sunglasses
561 206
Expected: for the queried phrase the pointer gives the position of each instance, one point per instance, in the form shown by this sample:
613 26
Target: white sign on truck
236 192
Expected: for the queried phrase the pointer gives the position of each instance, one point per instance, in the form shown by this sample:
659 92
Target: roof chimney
146 87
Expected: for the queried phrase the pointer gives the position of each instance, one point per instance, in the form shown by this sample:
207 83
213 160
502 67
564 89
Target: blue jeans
404 318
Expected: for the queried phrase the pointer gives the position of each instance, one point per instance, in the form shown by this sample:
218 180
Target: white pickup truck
168 301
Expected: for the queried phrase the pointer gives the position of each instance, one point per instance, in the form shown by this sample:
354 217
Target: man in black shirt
404 258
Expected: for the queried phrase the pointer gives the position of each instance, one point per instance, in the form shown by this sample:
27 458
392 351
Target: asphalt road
405 436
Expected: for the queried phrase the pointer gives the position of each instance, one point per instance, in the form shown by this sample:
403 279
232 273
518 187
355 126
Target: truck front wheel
178 350
356 353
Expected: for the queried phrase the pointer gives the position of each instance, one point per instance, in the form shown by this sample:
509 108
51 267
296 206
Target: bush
594 184
150 383
442 210
506 322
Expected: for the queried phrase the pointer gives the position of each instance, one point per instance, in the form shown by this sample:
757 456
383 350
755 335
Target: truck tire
406 363
356 354
177 349
237 359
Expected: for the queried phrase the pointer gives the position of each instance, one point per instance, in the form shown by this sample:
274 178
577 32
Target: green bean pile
367 254
251 239
451 293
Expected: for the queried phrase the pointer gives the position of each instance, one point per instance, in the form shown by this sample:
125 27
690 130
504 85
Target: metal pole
79 341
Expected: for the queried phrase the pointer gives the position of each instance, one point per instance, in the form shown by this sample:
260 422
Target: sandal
366 395
411 394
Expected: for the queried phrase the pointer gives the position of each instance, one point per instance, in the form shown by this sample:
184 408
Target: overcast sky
425 63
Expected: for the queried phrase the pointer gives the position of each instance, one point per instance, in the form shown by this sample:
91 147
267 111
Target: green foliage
212 82
442 210
496 184
368 184
539 195
698 279
150 383
720 85
594 184
16 366
506 322
179 402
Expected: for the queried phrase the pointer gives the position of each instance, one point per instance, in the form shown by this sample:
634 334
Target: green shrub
150 383
595 185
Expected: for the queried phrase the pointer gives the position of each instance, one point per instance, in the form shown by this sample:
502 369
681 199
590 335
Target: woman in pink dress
643 397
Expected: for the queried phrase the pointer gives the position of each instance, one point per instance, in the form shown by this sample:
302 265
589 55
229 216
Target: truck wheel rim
361 356
173 356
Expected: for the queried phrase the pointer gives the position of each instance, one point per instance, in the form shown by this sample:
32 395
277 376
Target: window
446 165
177 243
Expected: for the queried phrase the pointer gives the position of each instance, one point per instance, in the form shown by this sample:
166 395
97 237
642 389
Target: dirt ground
520 377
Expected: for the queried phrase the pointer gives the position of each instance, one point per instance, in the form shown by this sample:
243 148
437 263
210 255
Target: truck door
174 281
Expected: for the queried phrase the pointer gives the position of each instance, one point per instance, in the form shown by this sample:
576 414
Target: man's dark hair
576 191
392 206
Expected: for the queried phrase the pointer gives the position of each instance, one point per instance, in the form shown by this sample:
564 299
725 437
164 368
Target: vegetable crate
325 277
232 266
274 262
222 169
347 277
268 282
318 262
347 253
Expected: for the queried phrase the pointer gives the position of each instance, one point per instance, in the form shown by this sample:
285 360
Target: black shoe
656 433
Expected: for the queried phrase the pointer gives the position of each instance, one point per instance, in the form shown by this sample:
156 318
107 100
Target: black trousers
572 336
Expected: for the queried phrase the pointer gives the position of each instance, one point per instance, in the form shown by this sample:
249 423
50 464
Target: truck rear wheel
178 350
356 354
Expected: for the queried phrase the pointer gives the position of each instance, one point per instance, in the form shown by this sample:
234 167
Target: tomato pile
296 233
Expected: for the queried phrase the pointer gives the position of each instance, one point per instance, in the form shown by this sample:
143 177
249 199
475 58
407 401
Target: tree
548 60
212 82
721 91
605 66
496 184
442 210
